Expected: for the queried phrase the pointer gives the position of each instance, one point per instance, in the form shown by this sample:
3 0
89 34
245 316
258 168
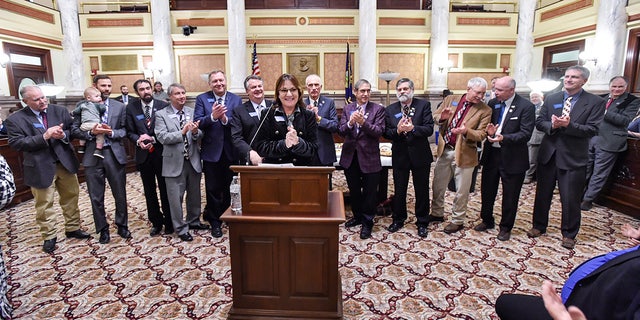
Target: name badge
455 104
279 118
140 117
38 125
498 105
557 106
253 114
398 115
211 100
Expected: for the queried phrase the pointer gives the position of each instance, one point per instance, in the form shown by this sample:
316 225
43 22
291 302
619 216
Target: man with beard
214 110
409 124
112 167
140 130
125 97
246 120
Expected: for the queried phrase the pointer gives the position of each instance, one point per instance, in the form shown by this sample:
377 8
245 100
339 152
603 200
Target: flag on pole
255 66
348 81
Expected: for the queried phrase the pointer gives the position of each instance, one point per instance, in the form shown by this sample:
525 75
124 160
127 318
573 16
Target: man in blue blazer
409 124
214 110
563 154
327 118
505 156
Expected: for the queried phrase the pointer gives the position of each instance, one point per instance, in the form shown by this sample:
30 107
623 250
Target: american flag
255 66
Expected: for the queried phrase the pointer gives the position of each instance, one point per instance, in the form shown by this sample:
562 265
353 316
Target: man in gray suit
611 140
112 167
181 165
536 97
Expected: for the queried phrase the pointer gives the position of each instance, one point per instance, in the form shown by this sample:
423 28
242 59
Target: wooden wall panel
409 65
127 79
334 71
192 66
270 69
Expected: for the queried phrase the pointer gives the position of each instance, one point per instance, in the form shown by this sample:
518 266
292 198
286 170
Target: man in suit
409 124
536 97
569 119
125 98
505 155
611 140
140 130
462 121
181 165
361 125
246 120
214 110
42 133
112 167
327 118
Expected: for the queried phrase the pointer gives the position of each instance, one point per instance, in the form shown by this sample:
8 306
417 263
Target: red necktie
45 123
609 103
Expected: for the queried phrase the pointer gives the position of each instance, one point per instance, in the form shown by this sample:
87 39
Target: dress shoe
395 226
104 236
504 235
568 243
352 223
78 234
452 227
432 218
483 226
124 232
586 205
168 229
423 231
534 233
199 226
216 231
365 232
186 237
155 231
49 245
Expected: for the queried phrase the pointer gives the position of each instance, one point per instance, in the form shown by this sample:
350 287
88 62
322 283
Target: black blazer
612 136
137 125
411 149
244 124
516 131
571 144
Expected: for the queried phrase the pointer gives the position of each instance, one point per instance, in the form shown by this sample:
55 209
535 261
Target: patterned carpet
390 276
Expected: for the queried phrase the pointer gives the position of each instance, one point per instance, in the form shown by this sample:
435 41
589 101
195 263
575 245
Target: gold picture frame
301 65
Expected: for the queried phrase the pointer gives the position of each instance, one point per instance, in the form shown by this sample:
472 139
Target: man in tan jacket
462 121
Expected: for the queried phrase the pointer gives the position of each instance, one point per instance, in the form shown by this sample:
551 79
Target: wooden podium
284 245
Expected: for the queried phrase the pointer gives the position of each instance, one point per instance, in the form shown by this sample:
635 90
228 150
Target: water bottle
236 201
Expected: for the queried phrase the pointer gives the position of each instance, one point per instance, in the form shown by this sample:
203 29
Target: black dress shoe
155 231
168 229
395 226
586 205
199 226
365 232
104 236
124 233
78 234
504 235
352 223
49 245
216 231
423 231
186 237
431 219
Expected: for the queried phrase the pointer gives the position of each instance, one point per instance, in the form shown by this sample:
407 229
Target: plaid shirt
7 186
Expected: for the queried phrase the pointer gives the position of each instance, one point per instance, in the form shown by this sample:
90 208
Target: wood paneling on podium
623 191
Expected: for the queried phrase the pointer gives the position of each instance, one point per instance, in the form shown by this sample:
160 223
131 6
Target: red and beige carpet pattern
390 276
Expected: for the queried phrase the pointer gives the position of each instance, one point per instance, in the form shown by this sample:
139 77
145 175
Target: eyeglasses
290 90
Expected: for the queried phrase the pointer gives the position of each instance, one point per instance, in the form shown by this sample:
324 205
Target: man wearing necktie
327 119
110 169
246 120
611 140
141 131
462 121
563 154
505 155
42 133
125 98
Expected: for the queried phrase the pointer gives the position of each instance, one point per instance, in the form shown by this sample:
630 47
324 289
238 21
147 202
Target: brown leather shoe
452 227
568 243
483 227
504 235
534 233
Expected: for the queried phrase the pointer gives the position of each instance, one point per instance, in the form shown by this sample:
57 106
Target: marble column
438 46
72 48
367 43
237 46
524 45
163 58
611 30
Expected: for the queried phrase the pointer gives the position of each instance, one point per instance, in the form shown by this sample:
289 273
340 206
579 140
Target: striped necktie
566 109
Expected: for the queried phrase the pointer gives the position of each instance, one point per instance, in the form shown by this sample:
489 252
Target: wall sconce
543 85
4 59
588 57
445 66
188 30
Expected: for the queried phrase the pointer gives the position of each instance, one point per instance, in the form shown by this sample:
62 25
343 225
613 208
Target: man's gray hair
477 82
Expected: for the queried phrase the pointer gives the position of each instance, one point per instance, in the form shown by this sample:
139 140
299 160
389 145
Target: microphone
259 127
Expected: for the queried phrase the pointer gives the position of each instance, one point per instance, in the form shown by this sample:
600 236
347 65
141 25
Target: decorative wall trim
273 21
568 8
484 42
26 36
401 41
201 42
352 41
402 21
117 44
634 17
331 21
27 11
201 22
101 23
461 21
565 33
